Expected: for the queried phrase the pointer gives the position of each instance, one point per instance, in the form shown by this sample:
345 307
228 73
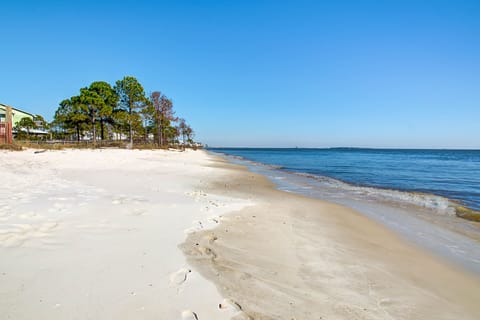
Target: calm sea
454 174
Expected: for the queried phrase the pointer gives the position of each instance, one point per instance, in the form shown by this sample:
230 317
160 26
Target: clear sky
262 73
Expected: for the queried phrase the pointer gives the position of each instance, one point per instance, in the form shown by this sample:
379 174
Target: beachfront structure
6 136
17 114
9 117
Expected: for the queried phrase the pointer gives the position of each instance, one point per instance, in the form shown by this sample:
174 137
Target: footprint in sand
211 238
48 226
229 304
213 203
384 302
138 211
206 251
119 200
198 225
5 209
235 309
59 199
180 276
29 216
60 207
215 219
190 230
189 315
16 235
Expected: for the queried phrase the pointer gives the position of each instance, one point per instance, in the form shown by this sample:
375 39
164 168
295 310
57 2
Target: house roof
3 106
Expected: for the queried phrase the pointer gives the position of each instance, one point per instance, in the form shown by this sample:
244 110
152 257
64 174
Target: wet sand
291 257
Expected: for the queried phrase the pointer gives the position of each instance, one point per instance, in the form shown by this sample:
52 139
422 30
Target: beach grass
11 147
18 145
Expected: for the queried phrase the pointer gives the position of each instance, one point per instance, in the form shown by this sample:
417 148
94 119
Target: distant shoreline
348 148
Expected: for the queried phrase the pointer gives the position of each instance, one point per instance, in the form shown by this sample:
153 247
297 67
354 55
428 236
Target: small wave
248 161
430 201
436 203
273 166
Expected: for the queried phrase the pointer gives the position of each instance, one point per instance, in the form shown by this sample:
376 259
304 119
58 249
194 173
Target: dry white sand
94 234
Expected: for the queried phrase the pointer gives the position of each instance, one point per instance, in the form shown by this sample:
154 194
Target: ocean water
453 174
412 192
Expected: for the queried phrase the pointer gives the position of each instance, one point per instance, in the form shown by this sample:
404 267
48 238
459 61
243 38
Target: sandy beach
94 234
129 234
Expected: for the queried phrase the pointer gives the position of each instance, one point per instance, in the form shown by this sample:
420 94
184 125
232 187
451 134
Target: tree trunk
130 123
102 136
78 133
145 137
131 134
159 129
94 131
160 135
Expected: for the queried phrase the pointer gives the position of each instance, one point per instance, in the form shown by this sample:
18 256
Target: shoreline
439 232
315 259
417 197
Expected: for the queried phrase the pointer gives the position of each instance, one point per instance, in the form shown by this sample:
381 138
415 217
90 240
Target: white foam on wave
336 188
401 211
435 202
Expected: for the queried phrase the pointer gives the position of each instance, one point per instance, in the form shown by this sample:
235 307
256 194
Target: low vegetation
11 147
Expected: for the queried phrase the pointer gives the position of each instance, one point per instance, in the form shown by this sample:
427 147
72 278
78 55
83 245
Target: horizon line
350 148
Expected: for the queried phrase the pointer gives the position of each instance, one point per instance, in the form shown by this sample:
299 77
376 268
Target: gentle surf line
427 220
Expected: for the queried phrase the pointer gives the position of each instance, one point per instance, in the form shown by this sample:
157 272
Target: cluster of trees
26 125
121 112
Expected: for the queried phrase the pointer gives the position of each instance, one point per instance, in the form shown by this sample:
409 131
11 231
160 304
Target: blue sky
262 73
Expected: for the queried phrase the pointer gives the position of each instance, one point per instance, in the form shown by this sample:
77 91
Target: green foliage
23 127
119 111
92 105
26 123
109 101
40 122
70 117
131 97
107 94
130 93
